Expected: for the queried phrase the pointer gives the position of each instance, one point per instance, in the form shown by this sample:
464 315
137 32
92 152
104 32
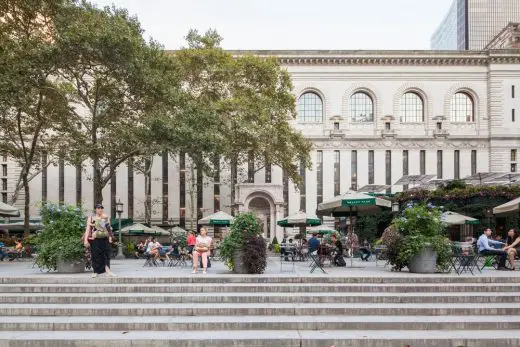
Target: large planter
238 263
69 267
424 262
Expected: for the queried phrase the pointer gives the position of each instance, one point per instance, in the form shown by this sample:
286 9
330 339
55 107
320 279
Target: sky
291 24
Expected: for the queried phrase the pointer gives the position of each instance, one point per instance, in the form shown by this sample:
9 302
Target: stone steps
259 338
233 323
190 309
469 311
261 288
259 297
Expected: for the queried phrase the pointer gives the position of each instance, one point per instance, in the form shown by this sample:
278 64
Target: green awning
300 219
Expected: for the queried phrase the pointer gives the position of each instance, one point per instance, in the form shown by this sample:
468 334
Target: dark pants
501 255
3 255
365 254
100 249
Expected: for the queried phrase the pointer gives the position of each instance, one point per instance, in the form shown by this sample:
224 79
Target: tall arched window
412 108
361 108
462 108
310 108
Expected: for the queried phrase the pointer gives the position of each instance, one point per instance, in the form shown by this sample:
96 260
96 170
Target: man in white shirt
485 244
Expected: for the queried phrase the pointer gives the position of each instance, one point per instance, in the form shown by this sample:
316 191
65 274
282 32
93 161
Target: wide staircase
397 311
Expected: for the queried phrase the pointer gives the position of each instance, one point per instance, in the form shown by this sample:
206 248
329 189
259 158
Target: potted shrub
59 243
418 240
241 247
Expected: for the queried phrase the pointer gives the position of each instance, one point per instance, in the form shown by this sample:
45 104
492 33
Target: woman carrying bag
98 236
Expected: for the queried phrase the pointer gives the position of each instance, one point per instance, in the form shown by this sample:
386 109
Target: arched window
310 108
412 108
462 108
361 108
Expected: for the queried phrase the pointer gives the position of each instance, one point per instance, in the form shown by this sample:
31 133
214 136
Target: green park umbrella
511 207
353 204
219 218
453 218
300 219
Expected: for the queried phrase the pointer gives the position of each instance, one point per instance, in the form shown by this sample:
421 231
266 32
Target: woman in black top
339 249
512 246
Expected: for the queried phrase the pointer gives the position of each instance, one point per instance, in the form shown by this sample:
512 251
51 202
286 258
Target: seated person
3 254
304 249
338 257
153 248
485 244
512 247
140 249
314 243
174 250
365 251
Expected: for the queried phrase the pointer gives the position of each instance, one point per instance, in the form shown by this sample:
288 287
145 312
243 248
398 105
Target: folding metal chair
315 262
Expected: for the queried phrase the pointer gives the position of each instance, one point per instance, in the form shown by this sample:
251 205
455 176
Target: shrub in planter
254 254
421 230
244 227
60 239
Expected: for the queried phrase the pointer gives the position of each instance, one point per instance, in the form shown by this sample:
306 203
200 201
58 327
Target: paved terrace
134 268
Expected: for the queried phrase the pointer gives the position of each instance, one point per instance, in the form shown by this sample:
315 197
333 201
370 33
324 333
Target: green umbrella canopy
353 203
8 210
299 219
453 218
511 207
219 218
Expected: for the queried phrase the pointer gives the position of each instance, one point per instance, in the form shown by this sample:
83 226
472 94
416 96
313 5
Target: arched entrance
261 207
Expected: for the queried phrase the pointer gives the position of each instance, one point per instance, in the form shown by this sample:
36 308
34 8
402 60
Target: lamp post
395 207
119 210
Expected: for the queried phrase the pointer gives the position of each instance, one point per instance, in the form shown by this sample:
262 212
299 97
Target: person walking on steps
99 235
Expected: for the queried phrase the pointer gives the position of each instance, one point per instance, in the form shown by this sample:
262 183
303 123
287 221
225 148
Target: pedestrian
99 235
202 248
190 242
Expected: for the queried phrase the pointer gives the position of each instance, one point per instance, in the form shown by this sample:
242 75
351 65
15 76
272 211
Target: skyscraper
472 24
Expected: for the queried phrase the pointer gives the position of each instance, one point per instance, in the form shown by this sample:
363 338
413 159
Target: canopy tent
8 210
178 230
510 207
160 231
219 218
352 204
299 219
137 229
453 218
18 226
125 222
323 230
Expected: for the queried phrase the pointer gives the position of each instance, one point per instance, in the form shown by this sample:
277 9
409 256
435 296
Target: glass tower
472 24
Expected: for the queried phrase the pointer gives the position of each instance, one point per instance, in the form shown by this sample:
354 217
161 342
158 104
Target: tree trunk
98 184
148 191
27 203
193 206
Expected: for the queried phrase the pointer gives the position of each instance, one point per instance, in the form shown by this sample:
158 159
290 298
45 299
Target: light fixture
119 207
395 207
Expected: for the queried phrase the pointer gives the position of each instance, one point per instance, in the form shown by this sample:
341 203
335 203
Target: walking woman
202 248
99 234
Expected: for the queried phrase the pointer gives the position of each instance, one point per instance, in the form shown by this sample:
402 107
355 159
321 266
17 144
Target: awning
453 218
299 219
219 218
510 207
8 210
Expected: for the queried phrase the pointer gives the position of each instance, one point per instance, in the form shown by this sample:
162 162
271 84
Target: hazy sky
291 24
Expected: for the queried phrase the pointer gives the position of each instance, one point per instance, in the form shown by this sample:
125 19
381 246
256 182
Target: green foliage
455 184
244 225
129 249
418 227
275 241
181 238
277 248
61 237
255 254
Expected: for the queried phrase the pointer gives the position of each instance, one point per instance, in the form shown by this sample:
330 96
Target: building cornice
389 58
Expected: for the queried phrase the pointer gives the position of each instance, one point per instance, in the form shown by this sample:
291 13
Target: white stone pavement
134 268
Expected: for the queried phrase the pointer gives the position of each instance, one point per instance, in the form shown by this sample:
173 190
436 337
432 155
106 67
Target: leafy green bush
244 225
277 248
418 227
275 241
63 228
129 249
255 254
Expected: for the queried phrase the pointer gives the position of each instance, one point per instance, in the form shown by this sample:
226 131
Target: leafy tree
117 82
235 107
33 104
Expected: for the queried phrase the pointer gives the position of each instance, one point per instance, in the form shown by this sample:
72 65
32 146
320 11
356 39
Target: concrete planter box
238 263
424 262
64 266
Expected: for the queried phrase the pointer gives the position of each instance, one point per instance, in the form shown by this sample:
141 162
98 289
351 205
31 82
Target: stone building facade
373 116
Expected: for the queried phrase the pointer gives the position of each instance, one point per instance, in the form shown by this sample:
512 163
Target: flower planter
238 263
64 266
424 262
